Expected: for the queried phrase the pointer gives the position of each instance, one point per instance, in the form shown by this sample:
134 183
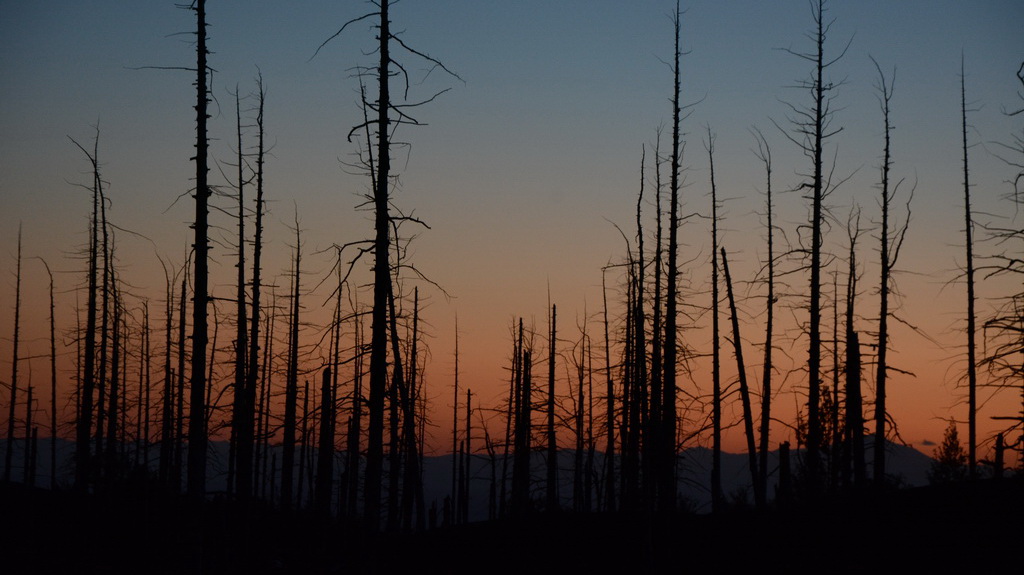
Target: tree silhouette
9 451
667 440
812 126
197 438
972 368
950 459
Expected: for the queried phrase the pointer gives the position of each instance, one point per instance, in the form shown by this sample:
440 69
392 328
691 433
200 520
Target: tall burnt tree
412 486
292 381
667 440
9 452
455 413
389 114
748 414
890 243
854 424
657 334
245 437
167 401
83 426
197 437
717 496
551 486
765 155
241 342
812 127
609 452
53 384
972 367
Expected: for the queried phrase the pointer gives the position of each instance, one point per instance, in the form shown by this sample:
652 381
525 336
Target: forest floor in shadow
965 527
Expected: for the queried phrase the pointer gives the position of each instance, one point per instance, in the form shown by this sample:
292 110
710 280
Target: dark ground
960 528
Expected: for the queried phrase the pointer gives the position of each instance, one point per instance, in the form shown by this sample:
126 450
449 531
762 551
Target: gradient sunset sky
523 169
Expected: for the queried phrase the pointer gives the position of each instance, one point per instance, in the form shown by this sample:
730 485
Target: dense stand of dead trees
637 470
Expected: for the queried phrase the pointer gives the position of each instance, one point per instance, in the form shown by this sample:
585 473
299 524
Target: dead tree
765 155
455 412
9 454
197 437
523 429
1003 356
101 380
889 249
657 350
667 441
167 402
854 424
748 414
292 383
245 437
609 452
646 426
83 425
412 490
551 488
328 413
972 373
53 385
382 128
114 389
179 395
717 497
812 128
241 334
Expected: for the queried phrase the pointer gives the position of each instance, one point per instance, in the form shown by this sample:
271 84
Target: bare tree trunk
552 459
197 399
167 411
146 378
512 413
83 425
972 375
646 427
246 438
179 396
115 389
578 496
325 452
9 454
455 411
668 420
26 470
381 281
292 385
241 343
764 153
854 408
523 429
748 414
354 444
101 381
609 452
263 413
411 469
53 387
814 352
466 476
328 415
657 350
717 497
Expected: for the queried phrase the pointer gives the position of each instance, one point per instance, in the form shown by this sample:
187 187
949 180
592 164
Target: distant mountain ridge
906 465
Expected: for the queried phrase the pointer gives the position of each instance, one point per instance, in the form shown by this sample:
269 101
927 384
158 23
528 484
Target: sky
523 168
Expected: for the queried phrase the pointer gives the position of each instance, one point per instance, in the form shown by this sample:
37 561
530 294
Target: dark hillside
940 529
